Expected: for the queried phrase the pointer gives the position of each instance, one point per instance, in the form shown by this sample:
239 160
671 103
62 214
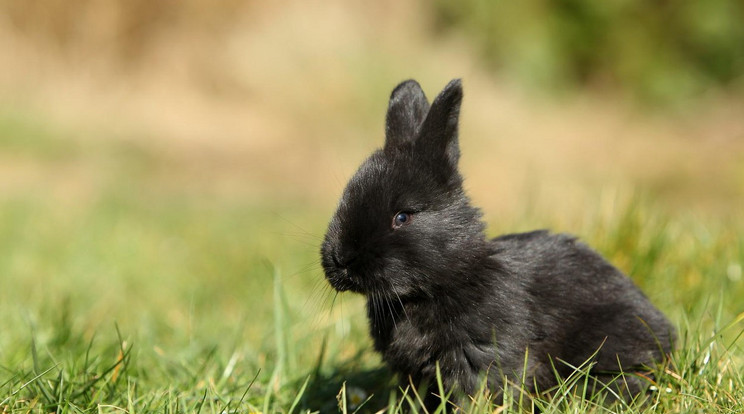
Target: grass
137 294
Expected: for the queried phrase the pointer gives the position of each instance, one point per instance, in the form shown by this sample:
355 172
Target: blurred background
160 160
279 102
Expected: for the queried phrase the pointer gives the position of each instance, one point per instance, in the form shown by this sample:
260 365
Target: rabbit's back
580 305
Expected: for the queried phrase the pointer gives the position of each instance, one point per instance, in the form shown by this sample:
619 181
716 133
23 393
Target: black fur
439 291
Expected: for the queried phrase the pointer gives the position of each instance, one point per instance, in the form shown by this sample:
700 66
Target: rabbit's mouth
338 274
340 280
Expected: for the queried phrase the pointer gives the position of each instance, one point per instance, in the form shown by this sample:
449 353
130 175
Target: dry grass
282 101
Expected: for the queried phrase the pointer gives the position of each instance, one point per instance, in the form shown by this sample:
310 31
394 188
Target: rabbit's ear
438 134
406 111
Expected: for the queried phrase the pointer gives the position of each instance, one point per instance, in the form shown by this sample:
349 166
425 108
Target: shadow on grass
367 389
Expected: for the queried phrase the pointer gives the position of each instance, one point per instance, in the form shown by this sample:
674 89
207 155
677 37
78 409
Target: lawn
127 285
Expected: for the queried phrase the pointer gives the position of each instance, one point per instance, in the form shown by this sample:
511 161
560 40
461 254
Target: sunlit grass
149 296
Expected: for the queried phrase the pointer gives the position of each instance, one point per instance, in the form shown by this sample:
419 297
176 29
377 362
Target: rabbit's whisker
402 307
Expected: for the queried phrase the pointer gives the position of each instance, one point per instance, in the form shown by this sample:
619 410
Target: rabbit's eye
401 219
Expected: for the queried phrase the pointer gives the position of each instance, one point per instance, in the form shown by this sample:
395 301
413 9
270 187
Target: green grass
148 296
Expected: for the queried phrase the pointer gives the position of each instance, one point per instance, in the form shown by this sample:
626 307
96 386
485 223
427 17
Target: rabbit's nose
342 261
339 261
336 261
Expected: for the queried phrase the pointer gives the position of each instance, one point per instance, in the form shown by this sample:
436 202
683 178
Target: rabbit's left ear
437 138
406 111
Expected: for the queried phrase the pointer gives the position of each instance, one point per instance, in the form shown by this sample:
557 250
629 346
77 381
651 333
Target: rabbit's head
404 225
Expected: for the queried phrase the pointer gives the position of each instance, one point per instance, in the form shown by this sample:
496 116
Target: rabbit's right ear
406 112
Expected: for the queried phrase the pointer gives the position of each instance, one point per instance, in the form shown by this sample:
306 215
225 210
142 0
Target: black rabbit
439 292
